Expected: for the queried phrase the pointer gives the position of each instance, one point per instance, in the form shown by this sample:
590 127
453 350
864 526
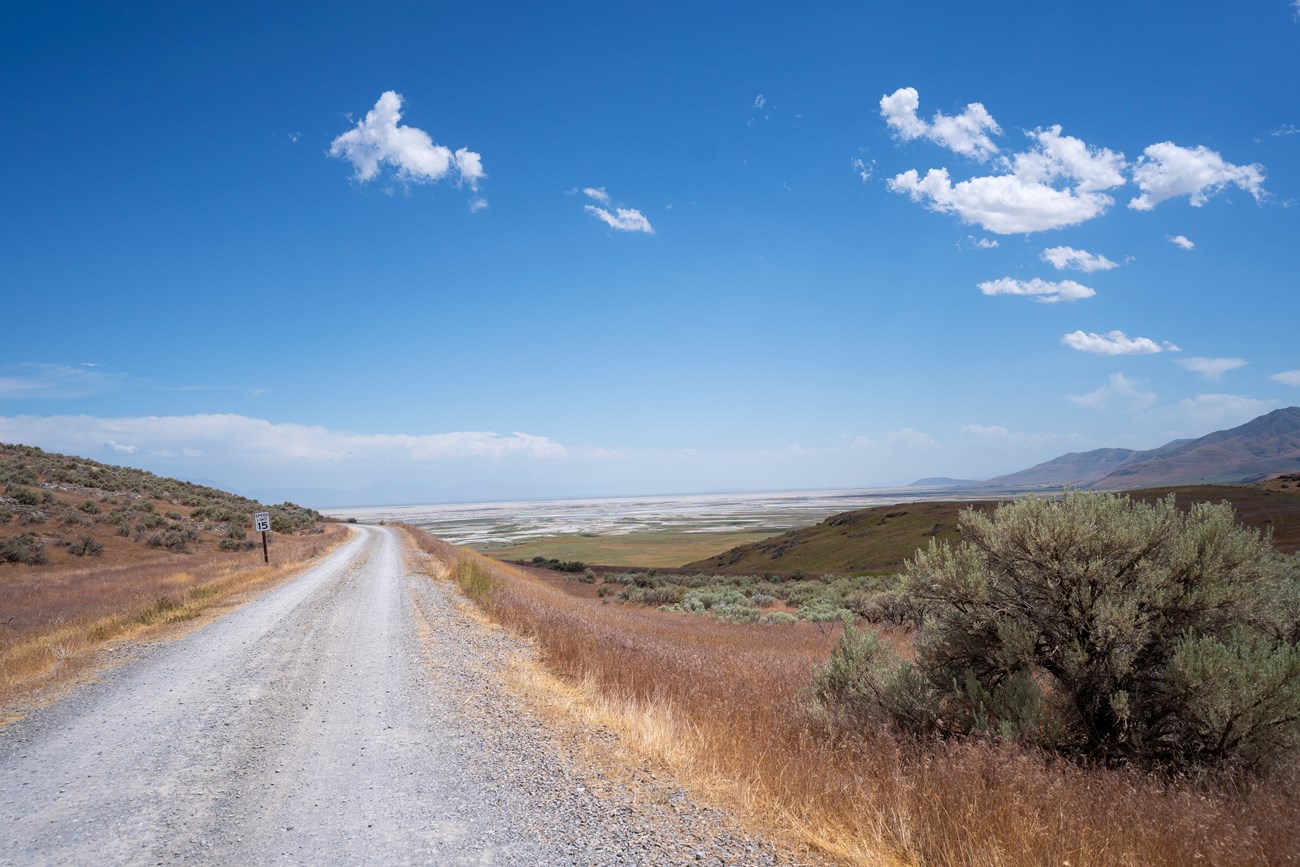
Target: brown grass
51 617
723 706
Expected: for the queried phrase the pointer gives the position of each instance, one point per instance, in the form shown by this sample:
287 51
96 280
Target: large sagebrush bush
1096 626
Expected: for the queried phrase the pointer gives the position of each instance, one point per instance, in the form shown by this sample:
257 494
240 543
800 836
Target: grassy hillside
61 509
881 538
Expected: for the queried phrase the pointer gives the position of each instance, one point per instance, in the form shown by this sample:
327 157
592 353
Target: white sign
262 522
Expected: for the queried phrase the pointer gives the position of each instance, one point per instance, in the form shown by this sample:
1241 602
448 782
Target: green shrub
23 548
24 496
1095 626
85 545
90 507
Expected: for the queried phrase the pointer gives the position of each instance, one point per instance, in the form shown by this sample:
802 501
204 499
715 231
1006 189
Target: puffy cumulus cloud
1114 343
379 140
1079 260
966 133
1059 181
1287 377
1166 170
1181 241
261 441
1211 368
618 217
1222 410
1002 204
1044 291
1119 390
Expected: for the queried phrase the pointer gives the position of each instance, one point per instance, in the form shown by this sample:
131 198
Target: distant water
495 525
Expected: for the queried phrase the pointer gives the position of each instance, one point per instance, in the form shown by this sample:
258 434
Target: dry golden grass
51 617
723 706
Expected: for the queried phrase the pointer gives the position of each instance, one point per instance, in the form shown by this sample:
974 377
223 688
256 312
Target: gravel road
351 716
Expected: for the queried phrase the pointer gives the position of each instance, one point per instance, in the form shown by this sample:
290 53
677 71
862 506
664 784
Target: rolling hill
58 509
879 539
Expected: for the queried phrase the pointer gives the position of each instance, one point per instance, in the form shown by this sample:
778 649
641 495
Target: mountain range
1259 449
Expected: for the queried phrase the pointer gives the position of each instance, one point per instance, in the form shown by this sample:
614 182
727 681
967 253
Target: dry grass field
54 615
724 706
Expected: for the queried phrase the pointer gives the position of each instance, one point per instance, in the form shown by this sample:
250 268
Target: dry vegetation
727 705
91 552
51 618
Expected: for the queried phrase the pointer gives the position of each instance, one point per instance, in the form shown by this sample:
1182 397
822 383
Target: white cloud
470 166
476 204
984 243
966 133
237 436
1181 241
1166 170
760 102
1114 343
996 432
623 219
1222 410
1119 389
1079 260
863 169
1039 290
1287 377
378 140
620 218
38 380
1211 368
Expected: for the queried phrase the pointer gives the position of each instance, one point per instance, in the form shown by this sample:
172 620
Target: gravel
354 715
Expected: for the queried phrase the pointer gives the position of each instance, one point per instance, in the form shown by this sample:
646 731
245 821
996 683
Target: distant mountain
1258 449
944 482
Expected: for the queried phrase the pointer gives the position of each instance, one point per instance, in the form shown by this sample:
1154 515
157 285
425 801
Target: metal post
266 558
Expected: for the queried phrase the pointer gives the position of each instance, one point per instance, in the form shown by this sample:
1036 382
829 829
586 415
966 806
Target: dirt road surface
351 716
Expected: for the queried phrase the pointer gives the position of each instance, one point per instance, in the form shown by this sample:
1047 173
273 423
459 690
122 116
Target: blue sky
430 252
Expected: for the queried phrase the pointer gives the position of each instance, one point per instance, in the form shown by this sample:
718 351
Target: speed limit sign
261 522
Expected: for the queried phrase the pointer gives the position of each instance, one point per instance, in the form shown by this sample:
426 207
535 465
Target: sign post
262 524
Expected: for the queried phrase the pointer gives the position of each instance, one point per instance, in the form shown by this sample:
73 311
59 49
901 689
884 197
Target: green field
662 549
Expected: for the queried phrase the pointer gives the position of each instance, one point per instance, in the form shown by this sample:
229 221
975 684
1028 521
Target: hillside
1263 447
879 539
62 509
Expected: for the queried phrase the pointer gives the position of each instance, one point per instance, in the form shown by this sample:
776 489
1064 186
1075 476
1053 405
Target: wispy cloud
862 168
1211 368
1119 390
1222 410
1045 291
1114 343
230 435
1181 241
1287 377
379 140
38 380
1166 170
620 218
1079 260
